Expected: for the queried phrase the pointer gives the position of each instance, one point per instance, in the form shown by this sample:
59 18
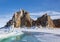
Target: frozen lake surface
40 37
29 35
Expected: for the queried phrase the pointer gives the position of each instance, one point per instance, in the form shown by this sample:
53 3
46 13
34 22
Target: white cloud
53 14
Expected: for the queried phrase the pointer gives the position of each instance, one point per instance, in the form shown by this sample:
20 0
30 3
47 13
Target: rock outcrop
21 18
45 21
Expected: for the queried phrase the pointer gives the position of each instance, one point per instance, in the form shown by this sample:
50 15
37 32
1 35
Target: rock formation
21 18
45 21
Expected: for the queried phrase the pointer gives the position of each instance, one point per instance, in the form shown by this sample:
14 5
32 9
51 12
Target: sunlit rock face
57 23
26 20
20 19
16 19
45 21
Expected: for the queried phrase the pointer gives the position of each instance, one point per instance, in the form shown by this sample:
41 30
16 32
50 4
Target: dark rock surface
45 21
57 23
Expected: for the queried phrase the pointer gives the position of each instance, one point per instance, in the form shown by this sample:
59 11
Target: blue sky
10 6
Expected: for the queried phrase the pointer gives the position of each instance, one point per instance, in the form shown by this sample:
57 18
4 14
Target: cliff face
45 21
19 19
57 23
